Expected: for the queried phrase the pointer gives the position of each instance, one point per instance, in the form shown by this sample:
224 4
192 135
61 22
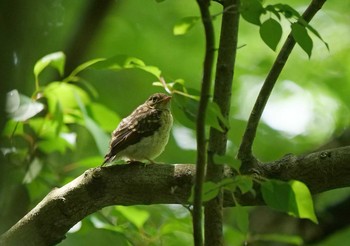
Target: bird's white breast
152 146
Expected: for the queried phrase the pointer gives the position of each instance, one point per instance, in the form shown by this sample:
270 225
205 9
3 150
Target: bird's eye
154 99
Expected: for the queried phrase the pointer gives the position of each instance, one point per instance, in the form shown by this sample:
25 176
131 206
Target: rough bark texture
213 211
48 222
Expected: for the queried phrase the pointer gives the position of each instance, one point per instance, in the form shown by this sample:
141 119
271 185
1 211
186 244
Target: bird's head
159 101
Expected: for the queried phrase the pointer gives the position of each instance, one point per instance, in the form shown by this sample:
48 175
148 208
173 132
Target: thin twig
245 153
203 103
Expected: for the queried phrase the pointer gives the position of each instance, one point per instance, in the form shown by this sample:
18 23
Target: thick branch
222 96
134 184
203 103
245 150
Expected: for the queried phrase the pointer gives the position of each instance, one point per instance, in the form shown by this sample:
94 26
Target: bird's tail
106 160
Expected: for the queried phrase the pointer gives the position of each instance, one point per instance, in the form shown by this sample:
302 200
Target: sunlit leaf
12 101
58 117
82 67
151 70
271 33
302 37
135 215
185 24
305 206
12 128
56 60
251 11
46 129
33 171
70 138
64 94
126 62
292 197
104 117
51 145
26 109
100 137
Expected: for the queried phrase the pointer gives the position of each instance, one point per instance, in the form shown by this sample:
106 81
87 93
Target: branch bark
200 123
133 184
213 210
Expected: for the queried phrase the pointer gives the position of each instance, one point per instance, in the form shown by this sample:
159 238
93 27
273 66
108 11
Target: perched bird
144 133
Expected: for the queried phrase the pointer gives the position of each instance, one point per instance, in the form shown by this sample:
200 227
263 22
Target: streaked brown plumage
144 133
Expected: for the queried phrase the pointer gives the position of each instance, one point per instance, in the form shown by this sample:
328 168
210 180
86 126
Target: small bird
144 133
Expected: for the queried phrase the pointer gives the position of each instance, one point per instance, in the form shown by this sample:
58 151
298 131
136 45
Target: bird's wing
132 129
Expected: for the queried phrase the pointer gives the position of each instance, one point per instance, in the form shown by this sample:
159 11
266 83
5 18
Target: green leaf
213 115
100 137
56 60
286 10
271 33
228 160
185 110
104 117
209 191
184 25
33 171
292 197
12 101
51 145
273 10
302 37
126 62
64 94
304 201
251 11
313 30
12 128
242 218
244 183
135 215
72 77
22 108
58 117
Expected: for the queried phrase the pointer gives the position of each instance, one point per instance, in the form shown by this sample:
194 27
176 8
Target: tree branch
245 150
222 96
133 184
203 103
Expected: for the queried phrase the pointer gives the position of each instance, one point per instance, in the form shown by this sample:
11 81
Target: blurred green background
309 106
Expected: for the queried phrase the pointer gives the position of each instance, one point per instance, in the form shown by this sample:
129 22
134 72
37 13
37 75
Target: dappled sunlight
293 110
184 137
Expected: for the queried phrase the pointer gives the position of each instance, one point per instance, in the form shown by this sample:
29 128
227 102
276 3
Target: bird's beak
165 102
167 99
